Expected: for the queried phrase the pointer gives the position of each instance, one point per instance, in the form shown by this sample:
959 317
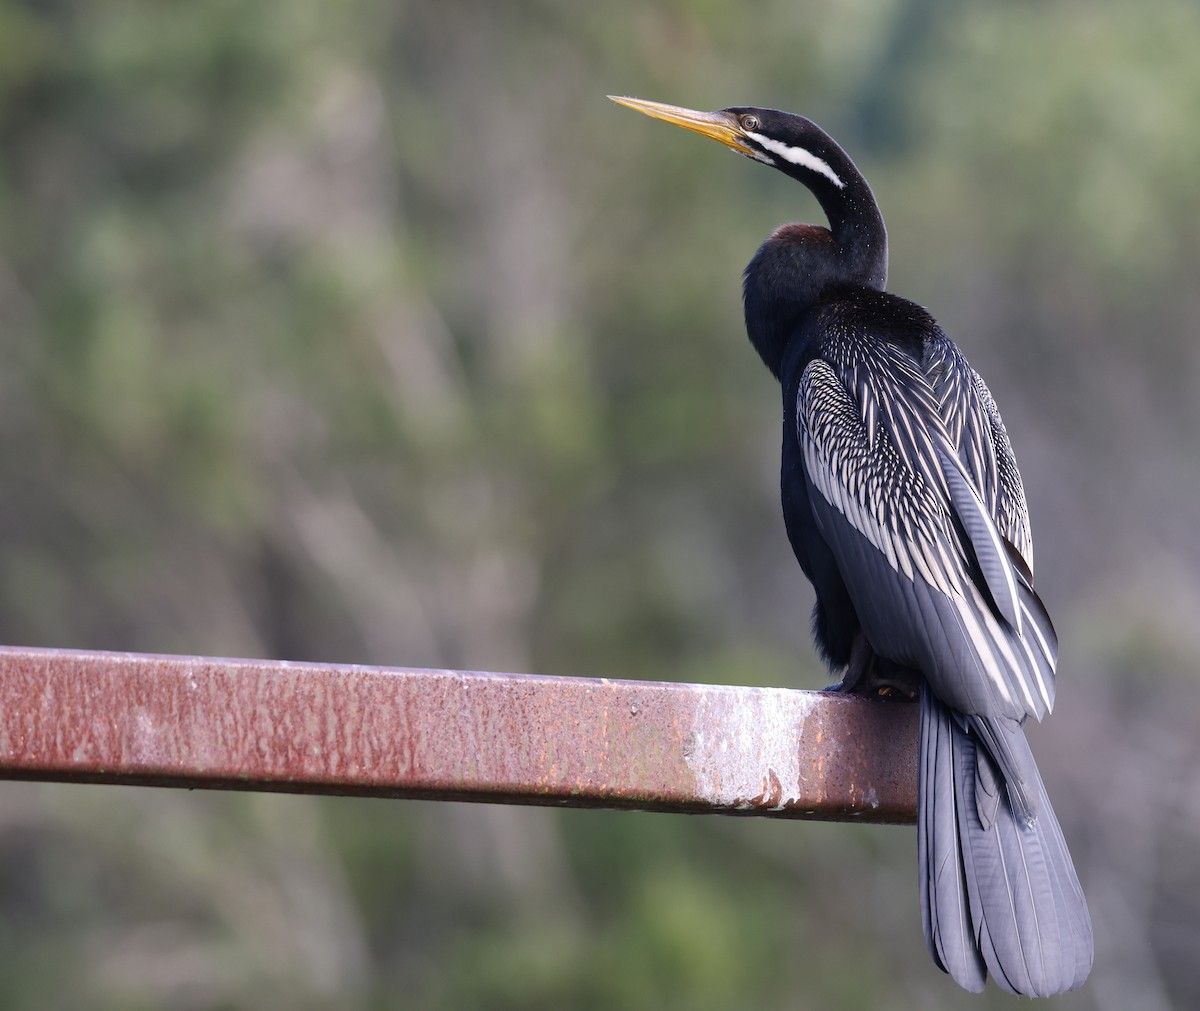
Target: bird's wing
911 520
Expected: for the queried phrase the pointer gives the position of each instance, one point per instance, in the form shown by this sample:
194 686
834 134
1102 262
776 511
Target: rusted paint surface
438 734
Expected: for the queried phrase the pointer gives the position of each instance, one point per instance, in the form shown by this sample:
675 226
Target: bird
905 509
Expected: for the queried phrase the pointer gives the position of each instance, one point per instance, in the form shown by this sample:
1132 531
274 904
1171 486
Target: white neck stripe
798 156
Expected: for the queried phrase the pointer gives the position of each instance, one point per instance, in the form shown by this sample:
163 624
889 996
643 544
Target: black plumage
905 509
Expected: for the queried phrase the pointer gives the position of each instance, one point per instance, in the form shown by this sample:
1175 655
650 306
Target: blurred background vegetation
370 332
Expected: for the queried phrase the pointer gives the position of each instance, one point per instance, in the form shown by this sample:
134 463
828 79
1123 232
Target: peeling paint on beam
453 735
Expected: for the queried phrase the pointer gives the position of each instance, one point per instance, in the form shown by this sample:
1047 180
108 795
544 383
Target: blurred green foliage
370 332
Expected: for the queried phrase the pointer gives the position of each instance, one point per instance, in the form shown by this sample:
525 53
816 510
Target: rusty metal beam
453 735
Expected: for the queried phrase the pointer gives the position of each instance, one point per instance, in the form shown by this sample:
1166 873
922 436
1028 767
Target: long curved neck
800 265
855 221
861 238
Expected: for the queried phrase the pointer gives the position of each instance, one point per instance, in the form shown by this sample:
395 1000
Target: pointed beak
719 126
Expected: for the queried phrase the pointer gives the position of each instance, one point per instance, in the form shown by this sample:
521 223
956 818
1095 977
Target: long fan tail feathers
999 892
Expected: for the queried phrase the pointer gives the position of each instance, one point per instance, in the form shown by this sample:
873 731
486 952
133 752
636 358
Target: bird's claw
894 693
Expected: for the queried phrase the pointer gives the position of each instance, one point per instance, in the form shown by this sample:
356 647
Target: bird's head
783 140
798 264
801 149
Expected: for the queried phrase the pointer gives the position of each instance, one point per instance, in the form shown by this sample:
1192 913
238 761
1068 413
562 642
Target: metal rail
130 718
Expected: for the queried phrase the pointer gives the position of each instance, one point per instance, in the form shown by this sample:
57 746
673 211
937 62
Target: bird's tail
999 893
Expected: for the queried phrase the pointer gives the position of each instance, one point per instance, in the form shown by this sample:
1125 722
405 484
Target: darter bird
904 506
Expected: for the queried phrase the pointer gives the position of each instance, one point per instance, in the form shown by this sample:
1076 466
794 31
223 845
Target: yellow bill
719 126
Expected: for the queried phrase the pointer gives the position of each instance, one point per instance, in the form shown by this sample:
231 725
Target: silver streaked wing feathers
888 472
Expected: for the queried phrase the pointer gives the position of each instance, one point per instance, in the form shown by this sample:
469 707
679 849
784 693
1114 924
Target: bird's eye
749 123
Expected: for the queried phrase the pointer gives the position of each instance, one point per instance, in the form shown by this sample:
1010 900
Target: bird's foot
864 676
859 678
896 693
875 690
